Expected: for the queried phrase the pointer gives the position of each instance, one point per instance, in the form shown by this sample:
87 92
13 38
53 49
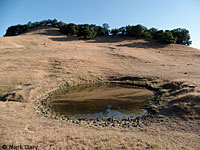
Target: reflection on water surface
105 100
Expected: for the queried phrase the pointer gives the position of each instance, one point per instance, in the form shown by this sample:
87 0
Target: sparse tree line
86 31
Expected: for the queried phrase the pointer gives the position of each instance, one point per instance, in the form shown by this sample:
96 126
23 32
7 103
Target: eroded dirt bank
39 62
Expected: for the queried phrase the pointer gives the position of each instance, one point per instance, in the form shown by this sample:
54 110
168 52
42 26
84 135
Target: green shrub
114 31
168 38
137 31
86 32
158 34
182 35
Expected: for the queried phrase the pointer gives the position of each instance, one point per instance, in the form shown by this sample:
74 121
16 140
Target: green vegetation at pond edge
90 31
101 100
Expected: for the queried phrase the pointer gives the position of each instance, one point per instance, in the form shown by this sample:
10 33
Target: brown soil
38 62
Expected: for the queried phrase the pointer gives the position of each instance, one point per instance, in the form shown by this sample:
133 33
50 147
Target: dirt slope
37 62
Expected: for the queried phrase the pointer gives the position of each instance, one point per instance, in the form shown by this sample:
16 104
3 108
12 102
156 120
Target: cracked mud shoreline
30 71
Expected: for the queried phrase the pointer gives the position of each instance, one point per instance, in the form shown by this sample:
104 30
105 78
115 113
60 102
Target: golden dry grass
40 61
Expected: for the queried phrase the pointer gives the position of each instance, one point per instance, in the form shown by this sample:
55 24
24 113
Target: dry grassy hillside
39 61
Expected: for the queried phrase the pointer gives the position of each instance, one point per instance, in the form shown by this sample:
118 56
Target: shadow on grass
110 39
49 32
146 44
57 35
64 39
136 43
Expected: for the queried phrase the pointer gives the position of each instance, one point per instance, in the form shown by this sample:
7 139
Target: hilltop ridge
91 31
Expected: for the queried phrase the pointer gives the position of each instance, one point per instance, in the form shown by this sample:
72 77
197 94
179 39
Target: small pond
101 100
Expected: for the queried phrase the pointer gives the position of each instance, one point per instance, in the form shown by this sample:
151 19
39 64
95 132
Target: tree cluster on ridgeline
90 31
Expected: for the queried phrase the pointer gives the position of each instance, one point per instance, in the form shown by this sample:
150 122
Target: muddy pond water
101 100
